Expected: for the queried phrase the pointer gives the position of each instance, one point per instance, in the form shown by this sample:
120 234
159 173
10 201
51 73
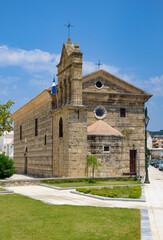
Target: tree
7 168
92 162
5 121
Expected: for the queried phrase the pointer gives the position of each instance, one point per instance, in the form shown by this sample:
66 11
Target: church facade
98 114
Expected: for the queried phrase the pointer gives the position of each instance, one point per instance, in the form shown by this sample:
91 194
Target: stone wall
111 164
134 106
70 151
39 155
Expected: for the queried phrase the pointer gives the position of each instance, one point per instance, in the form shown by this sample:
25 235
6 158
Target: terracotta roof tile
102 128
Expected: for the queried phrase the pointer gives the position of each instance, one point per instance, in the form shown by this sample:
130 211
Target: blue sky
126 35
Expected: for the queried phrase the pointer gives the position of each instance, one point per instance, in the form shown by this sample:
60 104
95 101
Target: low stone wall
13 183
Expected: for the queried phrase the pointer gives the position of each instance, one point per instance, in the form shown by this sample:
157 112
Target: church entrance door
133 161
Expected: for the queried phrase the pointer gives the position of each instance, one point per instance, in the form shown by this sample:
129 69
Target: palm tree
93 162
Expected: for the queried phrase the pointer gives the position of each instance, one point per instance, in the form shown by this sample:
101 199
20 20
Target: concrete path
153 192
154 197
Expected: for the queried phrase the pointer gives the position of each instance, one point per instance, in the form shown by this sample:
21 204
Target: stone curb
145 225
6 192
69 188
141 199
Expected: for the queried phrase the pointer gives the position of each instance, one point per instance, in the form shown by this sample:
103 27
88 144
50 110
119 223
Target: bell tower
70 116
70 75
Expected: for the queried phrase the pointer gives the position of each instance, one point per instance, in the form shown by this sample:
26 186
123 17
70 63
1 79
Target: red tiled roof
102 128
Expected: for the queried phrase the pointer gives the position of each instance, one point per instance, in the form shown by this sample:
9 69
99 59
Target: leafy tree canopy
5 121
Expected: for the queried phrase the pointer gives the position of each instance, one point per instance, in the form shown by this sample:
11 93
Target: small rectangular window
36 127
20 132
123 112
106 148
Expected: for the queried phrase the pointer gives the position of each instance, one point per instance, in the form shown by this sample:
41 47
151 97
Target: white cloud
37 61
156 85
41 65
127 77
156 79
33 61
89 66
4 91
41 83
8 79
111 69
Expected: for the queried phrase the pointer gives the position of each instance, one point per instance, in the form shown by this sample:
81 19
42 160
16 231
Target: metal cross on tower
69 26
99 64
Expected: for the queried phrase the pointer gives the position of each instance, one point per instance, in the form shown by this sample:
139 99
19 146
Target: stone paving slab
145 225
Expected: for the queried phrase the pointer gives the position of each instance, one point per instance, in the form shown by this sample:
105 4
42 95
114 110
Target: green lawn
29 219
86 183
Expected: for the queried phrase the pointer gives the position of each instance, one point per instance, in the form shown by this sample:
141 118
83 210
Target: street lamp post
146 121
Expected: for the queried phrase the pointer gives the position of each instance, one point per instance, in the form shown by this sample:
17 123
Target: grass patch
90 182
1 189
29 219
114 192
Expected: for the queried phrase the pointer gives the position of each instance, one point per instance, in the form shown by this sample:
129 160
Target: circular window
100 112
99 84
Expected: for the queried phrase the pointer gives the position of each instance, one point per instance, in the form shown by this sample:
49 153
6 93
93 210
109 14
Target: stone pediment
109 84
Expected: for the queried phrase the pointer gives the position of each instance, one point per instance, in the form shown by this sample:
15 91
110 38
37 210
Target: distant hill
152 133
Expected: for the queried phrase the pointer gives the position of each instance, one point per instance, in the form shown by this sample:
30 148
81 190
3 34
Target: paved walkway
153 192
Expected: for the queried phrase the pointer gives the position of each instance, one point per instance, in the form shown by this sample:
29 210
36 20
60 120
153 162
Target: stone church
98 114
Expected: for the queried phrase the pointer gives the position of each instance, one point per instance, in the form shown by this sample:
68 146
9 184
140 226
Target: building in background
157 143
7 143
149 141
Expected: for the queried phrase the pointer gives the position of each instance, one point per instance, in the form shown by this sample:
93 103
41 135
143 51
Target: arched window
45 140
61 127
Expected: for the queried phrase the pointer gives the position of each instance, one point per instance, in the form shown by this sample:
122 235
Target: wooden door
133 161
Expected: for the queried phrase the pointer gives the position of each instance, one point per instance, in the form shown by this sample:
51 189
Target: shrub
114 192
84 190
7 168
91 180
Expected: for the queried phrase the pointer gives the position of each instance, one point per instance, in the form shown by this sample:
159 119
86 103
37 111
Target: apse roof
103 129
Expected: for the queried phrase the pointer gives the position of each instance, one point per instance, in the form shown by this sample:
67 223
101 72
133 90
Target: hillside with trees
152 133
